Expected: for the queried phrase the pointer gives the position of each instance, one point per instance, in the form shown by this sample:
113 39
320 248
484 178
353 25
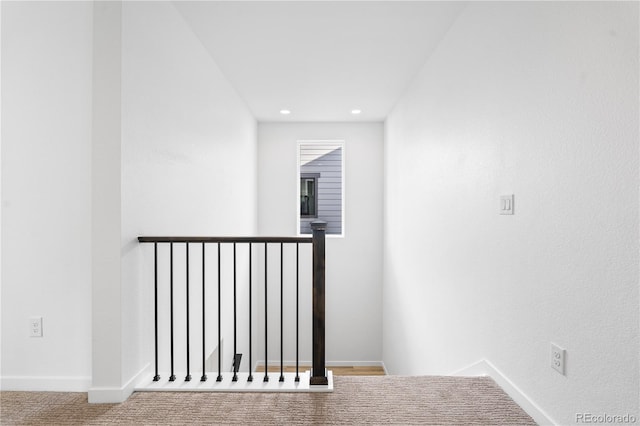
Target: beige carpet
393 400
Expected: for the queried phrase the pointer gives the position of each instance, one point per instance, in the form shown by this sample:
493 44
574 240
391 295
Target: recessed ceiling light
355 111
285 112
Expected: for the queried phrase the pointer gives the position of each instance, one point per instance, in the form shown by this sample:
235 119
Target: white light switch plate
506 204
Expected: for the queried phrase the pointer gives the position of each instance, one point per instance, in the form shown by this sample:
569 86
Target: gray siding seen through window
323 161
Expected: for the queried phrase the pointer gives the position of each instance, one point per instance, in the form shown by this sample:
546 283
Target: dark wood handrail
225 239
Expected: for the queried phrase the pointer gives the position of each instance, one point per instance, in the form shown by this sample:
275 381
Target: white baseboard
110 395
486 368
226 384
45 383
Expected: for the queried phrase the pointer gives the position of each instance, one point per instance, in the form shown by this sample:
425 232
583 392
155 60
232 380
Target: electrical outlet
557 358
35 327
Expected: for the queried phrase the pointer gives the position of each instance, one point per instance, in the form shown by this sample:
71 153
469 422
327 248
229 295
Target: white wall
46 194
0 192
539 100
353 282
107 325
188 166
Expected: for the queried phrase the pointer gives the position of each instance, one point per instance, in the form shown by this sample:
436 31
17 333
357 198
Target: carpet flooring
395 400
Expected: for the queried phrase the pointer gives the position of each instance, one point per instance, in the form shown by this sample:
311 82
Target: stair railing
317 241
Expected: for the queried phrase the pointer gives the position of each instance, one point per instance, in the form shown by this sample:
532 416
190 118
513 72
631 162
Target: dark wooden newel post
318 371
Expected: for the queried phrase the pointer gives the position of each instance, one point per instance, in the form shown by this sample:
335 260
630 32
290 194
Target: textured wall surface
46 194
188 168
354 262
540 101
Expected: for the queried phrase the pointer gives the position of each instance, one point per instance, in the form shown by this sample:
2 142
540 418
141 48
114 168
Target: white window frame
337 142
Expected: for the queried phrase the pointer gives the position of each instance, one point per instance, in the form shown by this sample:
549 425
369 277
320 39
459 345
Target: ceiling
320 59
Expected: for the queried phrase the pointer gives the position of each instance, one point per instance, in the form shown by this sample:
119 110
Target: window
321 185
308 196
